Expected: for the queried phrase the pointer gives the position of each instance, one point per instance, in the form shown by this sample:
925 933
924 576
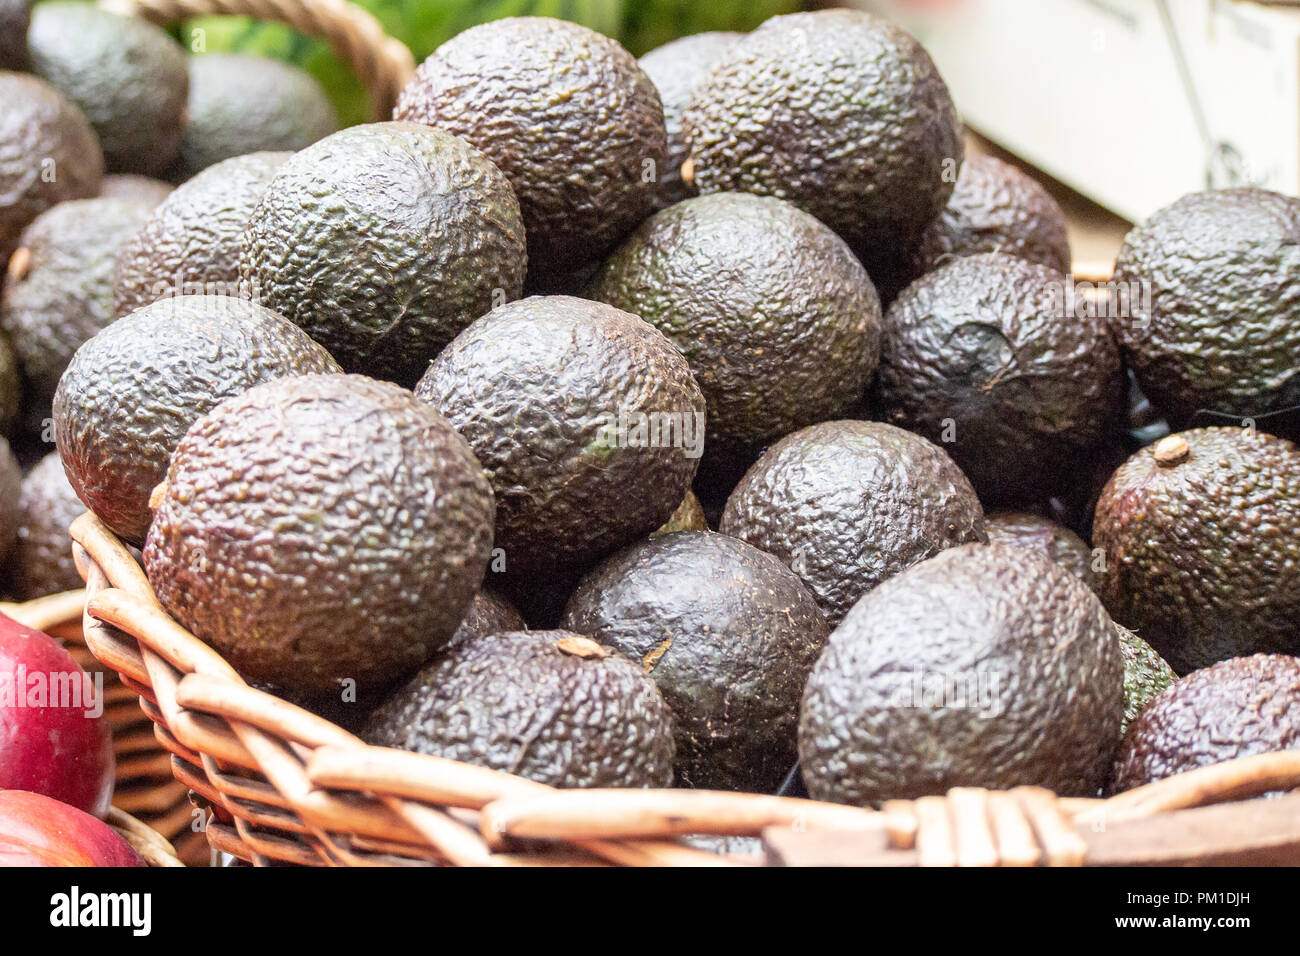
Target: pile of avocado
686 422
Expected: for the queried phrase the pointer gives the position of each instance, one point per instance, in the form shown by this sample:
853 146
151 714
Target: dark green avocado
15 18
985 666
60 289
586 419
838 112
321 532
131 392
675 68
191 243
489 613
1238 707
551 706
385 277
728 633
848 504
241 104
1202 538
126 74
565 113
779 320
983 356
38 120
1217 276
1021 530
1146 673
136 188
42 561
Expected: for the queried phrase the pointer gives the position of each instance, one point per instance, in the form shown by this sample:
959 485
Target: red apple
53 739
38 831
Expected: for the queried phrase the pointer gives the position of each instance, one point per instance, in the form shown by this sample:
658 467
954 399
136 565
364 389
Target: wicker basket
148 844
285 786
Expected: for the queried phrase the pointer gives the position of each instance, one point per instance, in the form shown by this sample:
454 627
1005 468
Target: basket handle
383 64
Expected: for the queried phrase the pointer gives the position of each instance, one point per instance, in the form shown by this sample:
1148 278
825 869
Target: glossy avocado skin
995 207
980 355
385 277
847 504
1055 541
126 74
1238 707
985 666
358 511
243 104
566 114
549 706
42 562
532 386
64 292
1146 673
1202 554
15 18
779 321
675 68
1223 270
837 111
191 241
38 120
728 633
131 392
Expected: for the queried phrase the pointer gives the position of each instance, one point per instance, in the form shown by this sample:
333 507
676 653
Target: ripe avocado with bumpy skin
728 633
130 393
689 516
838 112
489 613
38 120
1202 539
60 288
985 666
565 113
982 356
242 104
779 320
1238 707
126 74
42 562
538 388
136 188
190 245
1146 673
848 504
319 529
15 18
675 68
1045 536
550 706
995 207
1222 269
385 277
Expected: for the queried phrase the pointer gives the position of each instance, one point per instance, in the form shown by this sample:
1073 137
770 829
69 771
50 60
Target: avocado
59 291
839 112
995 207
39 121
727 632
984 356
985 666
1146 673
779 320
550 706
1238 707
1213 282
385 277
566 114
15 18
136 188
11 388
126 74
191 243
586 419
130 393
319 530
42 561
489 613
689 516
11 479
847 504
675 68
1202 538
1057 542
241 104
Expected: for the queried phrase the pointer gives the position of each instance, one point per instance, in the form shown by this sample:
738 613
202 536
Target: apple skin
58 751
38 831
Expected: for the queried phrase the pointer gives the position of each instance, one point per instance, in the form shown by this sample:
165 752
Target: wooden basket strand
383 64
